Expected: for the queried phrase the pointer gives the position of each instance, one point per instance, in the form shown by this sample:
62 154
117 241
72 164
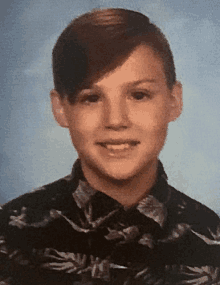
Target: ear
58 108
176 104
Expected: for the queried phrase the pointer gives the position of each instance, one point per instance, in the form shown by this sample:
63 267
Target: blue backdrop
35 151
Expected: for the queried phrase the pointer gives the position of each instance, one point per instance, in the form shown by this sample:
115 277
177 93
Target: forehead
143 64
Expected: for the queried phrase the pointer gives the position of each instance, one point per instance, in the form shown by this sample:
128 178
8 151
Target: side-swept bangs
99 41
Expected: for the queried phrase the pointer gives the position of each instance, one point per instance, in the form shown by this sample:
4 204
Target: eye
92 98
89 98
140 95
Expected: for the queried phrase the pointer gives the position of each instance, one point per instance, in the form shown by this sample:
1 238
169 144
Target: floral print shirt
68 233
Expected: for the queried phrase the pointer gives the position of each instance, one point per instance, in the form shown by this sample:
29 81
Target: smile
115 148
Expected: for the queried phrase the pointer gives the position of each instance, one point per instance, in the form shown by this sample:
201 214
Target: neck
127 192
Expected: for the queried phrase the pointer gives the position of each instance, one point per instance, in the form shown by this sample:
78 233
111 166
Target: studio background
35 151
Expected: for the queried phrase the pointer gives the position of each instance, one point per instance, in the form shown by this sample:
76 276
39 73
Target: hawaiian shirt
68 233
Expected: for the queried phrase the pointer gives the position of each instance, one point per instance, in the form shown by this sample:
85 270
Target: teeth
117 146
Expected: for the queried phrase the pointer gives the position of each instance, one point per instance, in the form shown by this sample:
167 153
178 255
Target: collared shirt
68 233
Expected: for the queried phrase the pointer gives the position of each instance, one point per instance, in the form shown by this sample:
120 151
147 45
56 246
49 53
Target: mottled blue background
35 151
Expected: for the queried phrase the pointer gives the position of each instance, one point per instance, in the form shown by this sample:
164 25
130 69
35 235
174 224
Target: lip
119 153
119 141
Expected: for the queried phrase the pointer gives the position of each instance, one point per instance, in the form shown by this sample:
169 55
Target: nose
116 115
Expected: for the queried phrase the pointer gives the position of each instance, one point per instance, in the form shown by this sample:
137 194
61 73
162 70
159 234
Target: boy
114 219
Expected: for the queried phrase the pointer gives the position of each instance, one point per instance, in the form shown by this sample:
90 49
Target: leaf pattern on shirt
65 261
78 263
126 234
206 239
147 240
3 245
177 232
120 248
20 221
217 235
153 209
204 275
89 225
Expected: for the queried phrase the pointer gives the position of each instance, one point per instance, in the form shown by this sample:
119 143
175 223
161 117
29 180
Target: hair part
101 40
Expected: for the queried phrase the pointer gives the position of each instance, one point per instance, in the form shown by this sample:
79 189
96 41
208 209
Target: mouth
116 147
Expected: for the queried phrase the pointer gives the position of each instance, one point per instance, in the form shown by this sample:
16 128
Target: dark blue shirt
68 233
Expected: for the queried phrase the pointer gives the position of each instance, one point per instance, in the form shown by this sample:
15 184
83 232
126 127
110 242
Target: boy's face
119 126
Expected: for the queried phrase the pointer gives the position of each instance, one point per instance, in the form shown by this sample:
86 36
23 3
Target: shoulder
182 208
187 213
27 219
53 194
36 207
189 209
191 231
43 195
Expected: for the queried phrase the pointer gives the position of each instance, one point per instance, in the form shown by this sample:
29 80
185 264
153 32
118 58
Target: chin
119 177
121 174
128 170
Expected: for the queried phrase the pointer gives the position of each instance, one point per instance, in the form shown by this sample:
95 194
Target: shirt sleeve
7 254
209 272
5 278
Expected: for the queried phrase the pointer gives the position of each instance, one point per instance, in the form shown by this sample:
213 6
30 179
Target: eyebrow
134 83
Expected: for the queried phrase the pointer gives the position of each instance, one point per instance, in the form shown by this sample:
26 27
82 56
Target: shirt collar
152 205
83 194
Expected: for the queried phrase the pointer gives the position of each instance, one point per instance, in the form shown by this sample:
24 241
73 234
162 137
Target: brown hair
99 41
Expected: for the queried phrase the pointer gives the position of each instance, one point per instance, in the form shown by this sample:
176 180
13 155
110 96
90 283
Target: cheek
151 119
152 123
82 126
